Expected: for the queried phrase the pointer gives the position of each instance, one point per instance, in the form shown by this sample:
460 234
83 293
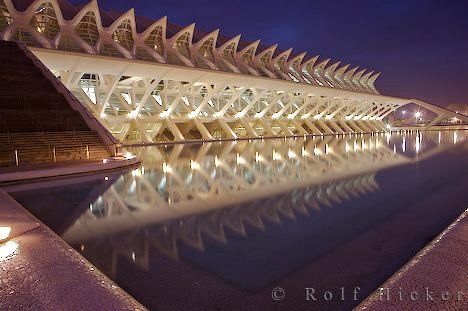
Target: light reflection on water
245 214
199 178
232 172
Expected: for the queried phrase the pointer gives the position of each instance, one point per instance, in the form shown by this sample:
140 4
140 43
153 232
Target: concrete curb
72 169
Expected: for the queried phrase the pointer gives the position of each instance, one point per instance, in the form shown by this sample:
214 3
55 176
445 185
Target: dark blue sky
421 46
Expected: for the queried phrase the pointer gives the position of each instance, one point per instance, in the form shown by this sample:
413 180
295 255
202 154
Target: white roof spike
365 77
309 63
349 74
372 79
162 22
357 76
214 34
320 66
253 44
130 15
91 6
32 8
297 59
190 28
282 54
331 69
339 73
270 49
229 42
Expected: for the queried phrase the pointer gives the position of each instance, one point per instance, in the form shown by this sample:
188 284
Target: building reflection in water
186 195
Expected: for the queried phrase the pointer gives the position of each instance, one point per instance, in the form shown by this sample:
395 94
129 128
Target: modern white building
152 81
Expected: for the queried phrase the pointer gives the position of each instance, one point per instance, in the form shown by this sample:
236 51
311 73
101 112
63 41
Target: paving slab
435 279
41 272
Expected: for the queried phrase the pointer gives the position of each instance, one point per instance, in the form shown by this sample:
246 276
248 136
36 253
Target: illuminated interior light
158 99
166 168
164 114
128 155
185 100
4 233
132 114
7 250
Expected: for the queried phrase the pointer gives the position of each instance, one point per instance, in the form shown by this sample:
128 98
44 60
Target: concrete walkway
435 279
41 272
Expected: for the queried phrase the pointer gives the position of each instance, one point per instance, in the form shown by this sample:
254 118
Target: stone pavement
41 272
435 279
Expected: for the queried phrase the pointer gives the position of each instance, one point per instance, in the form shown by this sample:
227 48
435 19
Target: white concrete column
363 126
325 127
248 128
345 126
202 129
227 129
356 128
336 126
284 126
174 130
267 128
314 129
301 130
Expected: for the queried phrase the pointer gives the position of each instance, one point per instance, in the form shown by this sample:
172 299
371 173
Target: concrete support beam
314 129
335 126
227 129
202 129
381 125
345 126
355 127
371 126
363 126
250 131
174 130
299 127
268 130
325 127
284 127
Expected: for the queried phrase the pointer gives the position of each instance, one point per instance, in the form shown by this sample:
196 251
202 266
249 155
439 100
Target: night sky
420 46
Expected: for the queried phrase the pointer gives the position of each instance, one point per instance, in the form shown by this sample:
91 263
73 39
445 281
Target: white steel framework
157 81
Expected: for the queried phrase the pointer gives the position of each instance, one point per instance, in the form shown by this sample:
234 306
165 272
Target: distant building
459 108
151 80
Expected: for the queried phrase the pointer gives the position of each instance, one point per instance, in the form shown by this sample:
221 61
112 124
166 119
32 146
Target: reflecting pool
218 226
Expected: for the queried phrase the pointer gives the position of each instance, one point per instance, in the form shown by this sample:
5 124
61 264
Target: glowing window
123 35
87 29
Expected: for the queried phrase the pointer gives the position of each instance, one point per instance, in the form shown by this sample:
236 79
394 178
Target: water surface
217 226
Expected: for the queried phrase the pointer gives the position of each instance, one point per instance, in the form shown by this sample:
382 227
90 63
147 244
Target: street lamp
417 114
